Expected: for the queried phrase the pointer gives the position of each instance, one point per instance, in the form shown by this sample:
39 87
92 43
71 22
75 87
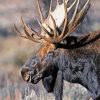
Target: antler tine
54 25
74 15
81 14
70 24
63 1
70 7
88 2
45 30
57 2
26 29
50 9
19 34
78 18
51 25
29 31
84 7
40 12
65 22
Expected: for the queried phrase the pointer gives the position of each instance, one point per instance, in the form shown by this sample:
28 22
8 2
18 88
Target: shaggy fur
79 65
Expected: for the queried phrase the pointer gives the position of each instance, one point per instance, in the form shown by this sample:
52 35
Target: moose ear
48 83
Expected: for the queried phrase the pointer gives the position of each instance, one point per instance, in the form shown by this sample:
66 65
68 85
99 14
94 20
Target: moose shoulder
63 57
81 65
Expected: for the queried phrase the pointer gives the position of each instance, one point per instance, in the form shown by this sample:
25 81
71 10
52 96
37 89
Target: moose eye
36 71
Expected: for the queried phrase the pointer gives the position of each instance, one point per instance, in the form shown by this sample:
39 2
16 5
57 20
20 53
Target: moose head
58 47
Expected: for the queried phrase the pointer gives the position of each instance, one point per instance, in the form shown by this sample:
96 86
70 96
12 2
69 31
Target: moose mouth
35 79
31 76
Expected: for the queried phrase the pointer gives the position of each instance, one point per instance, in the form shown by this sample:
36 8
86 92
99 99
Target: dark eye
36 71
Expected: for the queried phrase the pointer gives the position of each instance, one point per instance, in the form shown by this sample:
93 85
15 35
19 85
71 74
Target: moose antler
50 26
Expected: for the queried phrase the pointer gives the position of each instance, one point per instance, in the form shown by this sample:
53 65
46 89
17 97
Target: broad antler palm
51 25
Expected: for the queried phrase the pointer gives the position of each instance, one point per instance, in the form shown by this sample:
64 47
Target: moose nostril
24 70
24 73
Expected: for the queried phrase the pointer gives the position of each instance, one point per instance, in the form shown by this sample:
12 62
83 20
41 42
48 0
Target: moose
75 59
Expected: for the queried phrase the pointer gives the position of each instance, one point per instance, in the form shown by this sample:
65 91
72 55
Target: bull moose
75 59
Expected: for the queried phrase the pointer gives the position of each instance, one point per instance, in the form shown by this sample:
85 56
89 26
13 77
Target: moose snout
28 74
25 74
31 75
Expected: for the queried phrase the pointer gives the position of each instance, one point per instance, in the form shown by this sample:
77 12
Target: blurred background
15 50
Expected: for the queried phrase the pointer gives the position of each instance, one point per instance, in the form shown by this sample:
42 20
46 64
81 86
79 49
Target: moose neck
80 66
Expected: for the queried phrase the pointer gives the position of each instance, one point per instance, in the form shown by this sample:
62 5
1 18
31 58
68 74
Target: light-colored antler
30 33
51 25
